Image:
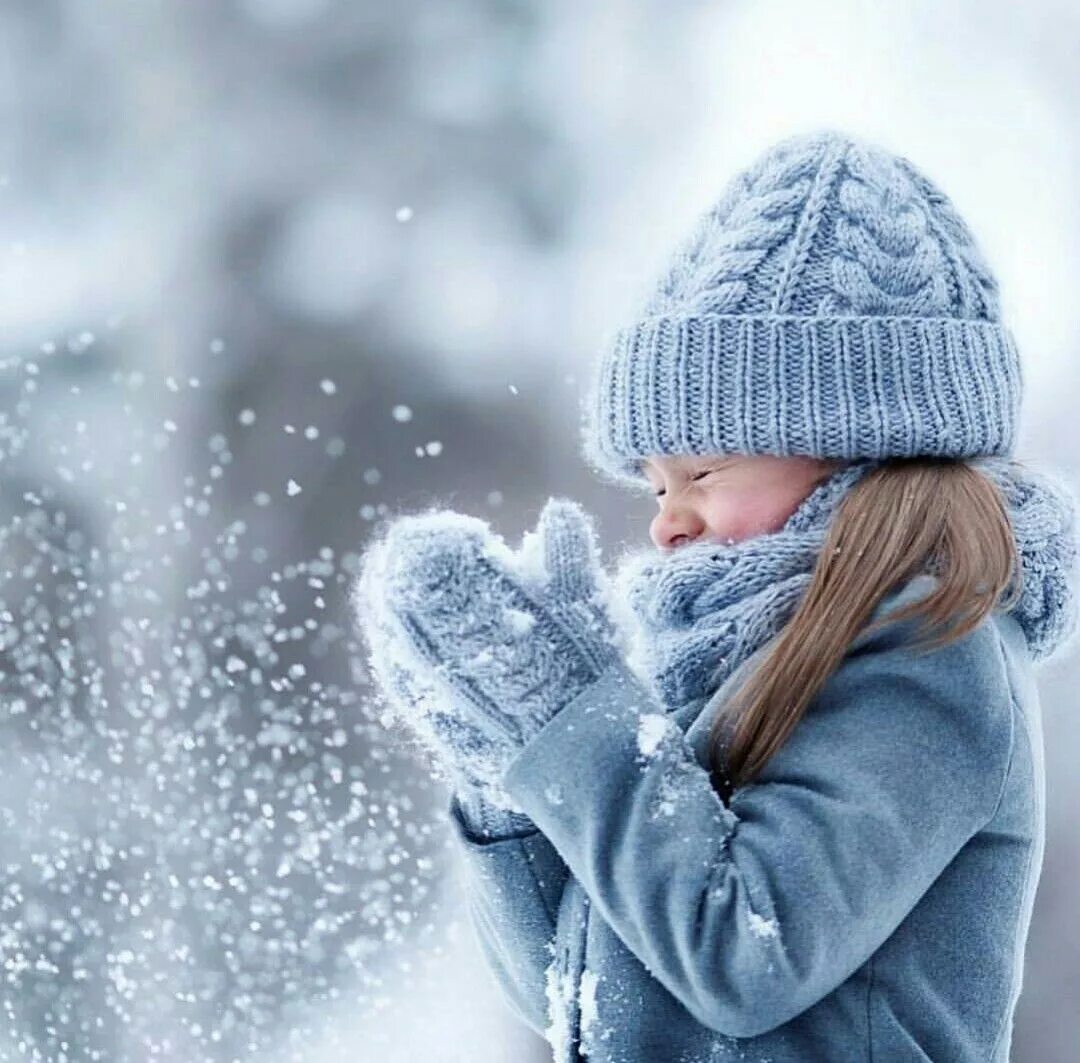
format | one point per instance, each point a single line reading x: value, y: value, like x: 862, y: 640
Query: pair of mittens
x: 477, y: 646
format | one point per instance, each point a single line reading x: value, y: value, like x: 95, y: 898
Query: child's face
x: 728, y: 497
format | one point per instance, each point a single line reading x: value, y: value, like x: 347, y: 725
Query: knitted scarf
x: 691, y: 616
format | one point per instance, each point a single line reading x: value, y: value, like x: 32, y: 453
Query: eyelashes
x: 697, y: 476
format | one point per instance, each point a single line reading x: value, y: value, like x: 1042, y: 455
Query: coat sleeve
x: 751, y: 912
x: 513, y: 886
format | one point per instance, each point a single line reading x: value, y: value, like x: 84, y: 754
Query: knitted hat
x: 832, y: 303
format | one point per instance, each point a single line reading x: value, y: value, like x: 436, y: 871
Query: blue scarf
x: 691, y: 616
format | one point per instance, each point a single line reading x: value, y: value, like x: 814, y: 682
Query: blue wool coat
x: 867, y: 898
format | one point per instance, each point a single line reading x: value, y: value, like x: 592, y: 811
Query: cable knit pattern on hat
x: 832, y: 303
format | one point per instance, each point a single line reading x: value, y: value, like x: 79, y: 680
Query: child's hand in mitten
x: 417, y: 698
x: 514, y: 637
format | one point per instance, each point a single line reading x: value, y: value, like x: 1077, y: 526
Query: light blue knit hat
x: 832, y: 303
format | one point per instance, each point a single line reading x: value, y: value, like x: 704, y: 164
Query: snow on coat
x: 868, y: 897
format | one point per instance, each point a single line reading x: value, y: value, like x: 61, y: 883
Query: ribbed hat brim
x: 831, y: 387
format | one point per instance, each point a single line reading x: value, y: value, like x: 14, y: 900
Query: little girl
x: 773, y: 791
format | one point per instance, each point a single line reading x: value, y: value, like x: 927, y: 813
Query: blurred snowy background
x: 272, y: 270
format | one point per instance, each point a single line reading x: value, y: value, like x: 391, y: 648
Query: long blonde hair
x: 903, y: 517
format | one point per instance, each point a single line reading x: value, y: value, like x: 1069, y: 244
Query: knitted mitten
x: 459, y: 755
x: 500, y: 641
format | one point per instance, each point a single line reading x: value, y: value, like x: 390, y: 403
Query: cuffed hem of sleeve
x: 575, y: 740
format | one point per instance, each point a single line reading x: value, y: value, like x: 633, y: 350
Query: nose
x: 676, y: 525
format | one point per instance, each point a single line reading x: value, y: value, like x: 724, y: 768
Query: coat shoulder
x: 980, y: 671
x: 986, y: 636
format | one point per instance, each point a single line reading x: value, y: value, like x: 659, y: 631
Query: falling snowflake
x: 208, y: 831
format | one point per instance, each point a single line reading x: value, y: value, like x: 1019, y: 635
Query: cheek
x: 740, y: 513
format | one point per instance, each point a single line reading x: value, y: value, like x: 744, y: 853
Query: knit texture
x: 475, y: 646
x: 832, y: 303
x: 694, y: 615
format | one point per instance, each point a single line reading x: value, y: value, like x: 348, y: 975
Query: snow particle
x: 401, y: 413
x: 224, y: 695
x: 652, y: 727
x: 587, y: 999
x: 519, y: 622
x: 404, y: 214
x: 434, y: 448
x: 328, y: 386
x: 557, y: 987
x: 763, y: 928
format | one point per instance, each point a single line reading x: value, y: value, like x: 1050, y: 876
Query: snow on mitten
x: 459, y: 755
x: 514, y: 637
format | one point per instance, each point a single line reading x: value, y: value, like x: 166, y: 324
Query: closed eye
x: 696, y: 476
